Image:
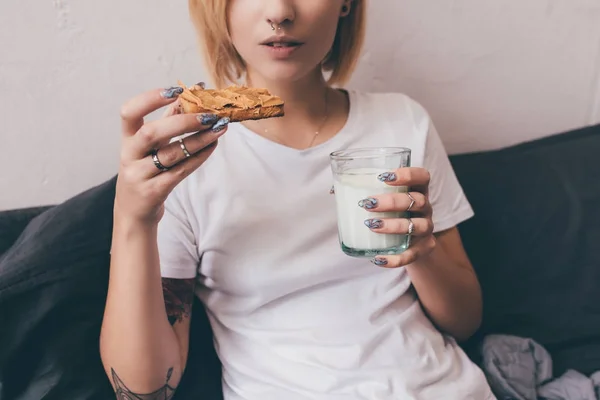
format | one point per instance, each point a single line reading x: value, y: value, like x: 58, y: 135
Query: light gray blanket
x: 521, y: 369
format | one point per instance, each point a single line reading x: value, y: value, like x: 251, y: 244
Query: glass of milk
x: 355, y: 173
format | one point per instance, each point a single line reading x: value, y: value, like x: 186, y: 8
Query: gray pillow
x: 53, y: 282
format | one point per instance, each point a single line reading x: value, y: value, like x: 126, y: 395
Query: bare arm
x: 143, y: 354
x: 179, y: 297
x: 438, y: 265
x: 145, y: 330
x: 448, y: 287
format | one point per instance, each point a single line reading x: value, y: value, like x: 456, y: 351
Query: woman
x: 250, y: 227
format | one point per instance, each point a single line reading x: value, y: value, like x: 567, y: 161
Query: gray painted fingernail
x: 171, y: 92
x: 207, y: 119
x: 387, y: 177
x: 220, y: 125
x: 379, y: 261
x: 368, y: 204
x: 374, y: 223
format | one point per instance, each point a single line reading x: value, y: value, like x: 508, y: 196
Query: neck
x: 308, y: 105
x: 303, y: 98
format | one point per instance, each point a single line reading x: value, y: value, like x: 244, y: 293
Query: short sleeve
x: 177, y: 248
x: 450, y: 205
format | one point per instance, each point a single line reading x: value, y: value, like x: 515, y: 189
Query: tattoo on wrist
x: 123, y: 393
x: 179, y: 297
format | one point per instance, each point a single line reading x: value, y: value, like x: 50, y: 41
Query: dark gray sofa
x: 534, y: 243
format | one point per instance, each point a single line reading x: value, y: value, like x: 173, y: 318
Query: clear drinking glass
x: 355, y: 173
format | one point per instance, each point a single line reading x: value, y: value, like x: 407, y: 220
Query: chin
x: 285, y: 72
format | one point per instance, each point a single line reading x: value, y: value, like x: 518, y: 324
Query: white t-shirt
x: 294, y: 318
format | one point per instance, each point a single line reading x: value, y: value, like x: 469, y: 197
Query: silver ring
x: 411, y: 229
x: 272, y: 26
x: 184, y: 149
x: 157, y: 162
x: 412, y: 201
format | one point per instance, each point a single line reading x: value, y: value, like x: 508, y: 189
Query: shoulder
x: 395, y: 118
x: 408, y: 121
x: 393, y: 104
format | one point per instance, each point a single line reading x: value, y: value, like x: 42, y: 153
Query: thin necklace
x: 319, y: 128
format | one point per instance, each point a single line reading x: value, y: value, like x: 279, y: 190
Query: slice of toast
x: 239, y: 103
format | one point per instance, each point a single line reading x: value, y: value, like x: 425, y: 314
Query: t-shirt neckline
x: 350, y: 121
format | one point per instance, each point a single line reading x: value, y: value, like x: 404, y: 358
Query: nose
x: 279, y: 12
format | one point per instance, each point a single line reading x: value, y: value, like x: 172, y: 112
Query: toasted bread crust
x: 235, y: 102
x: 235, y: 115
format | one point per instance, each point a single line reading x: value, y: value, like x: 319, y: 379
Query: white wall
x: 491, y: 72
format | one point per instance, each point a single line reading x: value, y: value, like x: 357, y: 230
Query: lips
x: 277, y: 45
x: 282, y: 44
x: 282, y: 41
x: 281, y: 47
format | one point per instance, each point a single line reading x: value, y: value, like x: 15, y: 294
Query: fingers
x: 134, y: 110
x: 172, y: 109
x: 420, y: 247
x: 420, y: 227
x: 157, y: 134
x: 403, y: 202
x: 179, y: 172
x: 144, y: 197
x: 180, y: 150
x: 416, y: 178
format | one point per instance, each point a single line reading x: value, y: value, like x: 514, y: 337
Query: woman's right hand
x: 142, y: 184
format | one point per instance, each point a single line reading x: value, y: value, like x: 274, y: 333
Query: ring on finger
x: 412, y: 201
x: 184, y: 149
x: 157, y: 162
x: 411, y: 229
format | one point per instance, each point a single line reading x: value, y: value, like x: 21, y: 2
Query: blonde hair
x: 225, y: 65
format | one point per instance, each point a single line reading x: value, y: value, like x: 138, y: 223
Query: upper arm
x: 448, y: 201
x: 178, y: 255
x: 449, y: 240
x: 179, y: 298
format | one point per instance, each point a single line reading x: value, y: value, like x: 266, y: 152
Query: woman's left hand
x: 415, y: 201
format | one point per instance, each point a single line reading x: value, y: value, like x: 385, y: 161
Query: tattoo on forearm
x: 179, y: 297
x: 123, y: 393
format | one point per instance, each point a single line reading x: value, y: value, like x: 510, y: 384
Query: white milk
x: 350, y: 188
